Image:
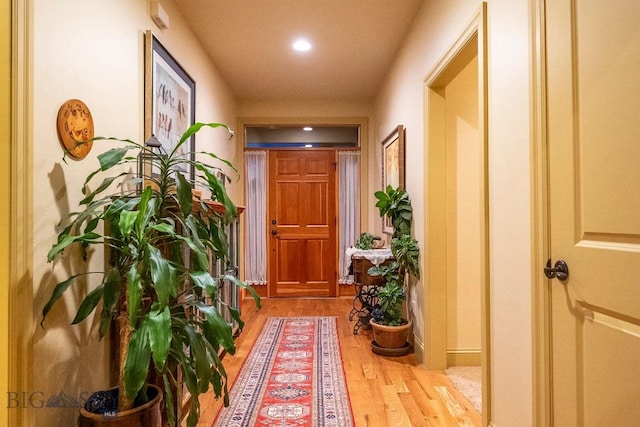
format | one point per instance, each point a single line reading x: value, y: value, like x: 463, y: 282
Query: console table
x: 366, y: 286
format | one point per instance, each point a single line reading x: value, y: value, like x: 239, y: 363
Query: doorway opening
x: 300, y: 227
x: 457, y: 294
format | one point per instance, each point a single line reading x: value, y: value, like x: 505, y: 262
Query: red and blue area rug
x: 293, y: 377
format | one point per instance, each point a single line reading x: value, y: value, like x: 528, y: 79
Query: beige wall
x: 463, y: 200
x: 436, y: 27
x: 93, y: 53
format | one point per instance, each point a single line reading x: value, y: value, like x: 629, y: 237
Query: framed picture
x: 170, y: 95
x: 392, y: 166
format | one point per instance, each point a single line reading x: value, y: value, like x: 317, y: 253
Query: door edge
x: 540, y: 251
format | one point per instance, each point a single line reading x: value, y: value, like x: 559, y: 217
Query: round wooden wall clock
x: 75, y: 125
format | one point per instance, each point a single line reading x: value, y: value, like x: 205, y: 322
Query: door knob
x: 274, y: 232
x: 559, y: 271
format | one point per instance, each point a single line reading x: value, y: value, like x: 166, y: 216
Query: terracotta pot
x: 147, y: 415
x: 390, y: 336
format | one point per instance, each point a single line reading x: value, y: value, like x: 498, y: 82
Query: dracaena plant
x: 157, y: 285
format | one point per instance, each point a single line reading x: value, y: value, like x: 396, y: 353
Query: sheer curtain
x: 349, y: 209
x: 256, y: 243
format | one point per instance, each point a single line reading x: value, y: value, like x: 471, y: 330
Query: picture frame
x: 170, y: 94
x: 393, y: 166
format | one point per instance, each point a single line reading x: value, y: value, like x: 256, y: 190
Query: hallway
x: 384, y: 392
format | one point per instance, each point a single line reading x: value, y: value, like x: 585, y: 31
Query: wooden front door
x: 302, y: 223
x: 593, y: 93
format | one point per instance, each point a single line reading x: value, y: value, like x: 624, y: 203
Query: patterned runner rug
x: 293, y: 377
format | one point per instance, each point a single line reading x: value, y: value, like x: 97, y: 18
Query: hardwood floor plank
x: 395, y: 414
x: 416, y: 416
x: 384, y: 391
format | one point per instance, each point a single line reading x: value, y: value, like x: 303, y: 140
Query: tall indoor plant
x: 389, y: 321
x: 157, y: 286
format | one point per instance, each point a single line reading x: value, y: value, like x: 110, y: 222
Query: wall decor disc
x: 75, y: 125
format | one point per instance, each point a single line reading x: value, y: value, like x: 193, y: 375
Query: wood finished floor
x: 384, y: 391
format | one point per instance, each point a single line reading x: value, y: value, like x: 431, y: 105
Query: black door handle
x: 559, y: 271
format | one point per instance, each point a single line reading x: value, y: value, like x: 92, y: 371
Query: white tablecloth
x: 376, y: 256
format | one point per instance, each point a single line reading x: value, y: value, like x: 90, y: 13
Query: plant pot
x: 391, y: 352
x: 147, y: 415
x: 390, y: 336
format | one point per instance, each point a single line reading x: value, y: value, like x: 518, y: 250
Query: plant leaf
x: 163, y: 276
x: 134, y: 293
x: 146, y: 209
x: 136, y: 364
x: 104, y: 185
x: 216, y: 328
x: 164, y: 228
x: 126, y: 222
x: 203, y: 279
x: 159, y: 335
x: 168, y: 395
x: 67, y: 240
x: 200, y: 359
x: 194, y: 128
x: 88, y: 304
x: 109, y: 299
x: 56, y: 294
x: 185, y: 195
x: 112, y: 157
x: 243, y: 285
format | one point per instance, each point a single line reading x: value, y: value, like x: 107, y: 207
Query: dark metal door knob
x: 559, y: 271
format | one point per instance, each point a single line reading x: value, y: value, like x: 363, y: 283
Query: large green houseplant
x: 157, y: 288
x: 389, y: 322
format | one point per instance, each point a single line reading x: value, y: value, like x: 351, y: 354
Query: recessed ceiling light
x: 302, y: 45
x: 307, y: 128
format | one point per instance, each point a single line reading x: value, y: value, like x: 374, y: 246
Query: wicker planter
x: 390, y: 336
x: 147, y: 415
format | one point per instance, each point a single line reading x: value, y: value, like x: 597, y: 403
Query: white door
x: 593, y: 72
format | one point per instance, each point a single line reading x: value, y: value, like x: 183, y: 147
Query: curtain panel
x: 349, y: 209
x: 256, y: 214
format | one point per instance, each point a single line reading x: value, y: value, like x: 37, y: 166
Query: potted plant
x: 395, y: 204
x: 369, y: 241
x: 389, y: 322
x: 156, y: 289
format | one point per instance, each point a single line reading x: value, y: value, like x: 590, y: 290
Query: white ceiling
x: 354, y: 43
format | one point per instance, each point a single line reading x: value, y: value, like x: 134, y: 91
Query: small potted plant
x: 157, y: 289
x: 365, y: 241
x: 389, y: 323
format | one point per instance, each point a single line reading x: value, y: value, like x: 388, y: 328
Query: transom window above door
x: 312, y: 136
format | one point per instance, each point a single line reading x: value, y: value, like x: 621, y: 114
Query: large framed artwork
x: 392, y: 166
x: 170, y: 95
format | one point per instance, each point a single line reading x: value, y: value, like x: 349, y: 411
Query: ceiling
x: 249, y: 41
